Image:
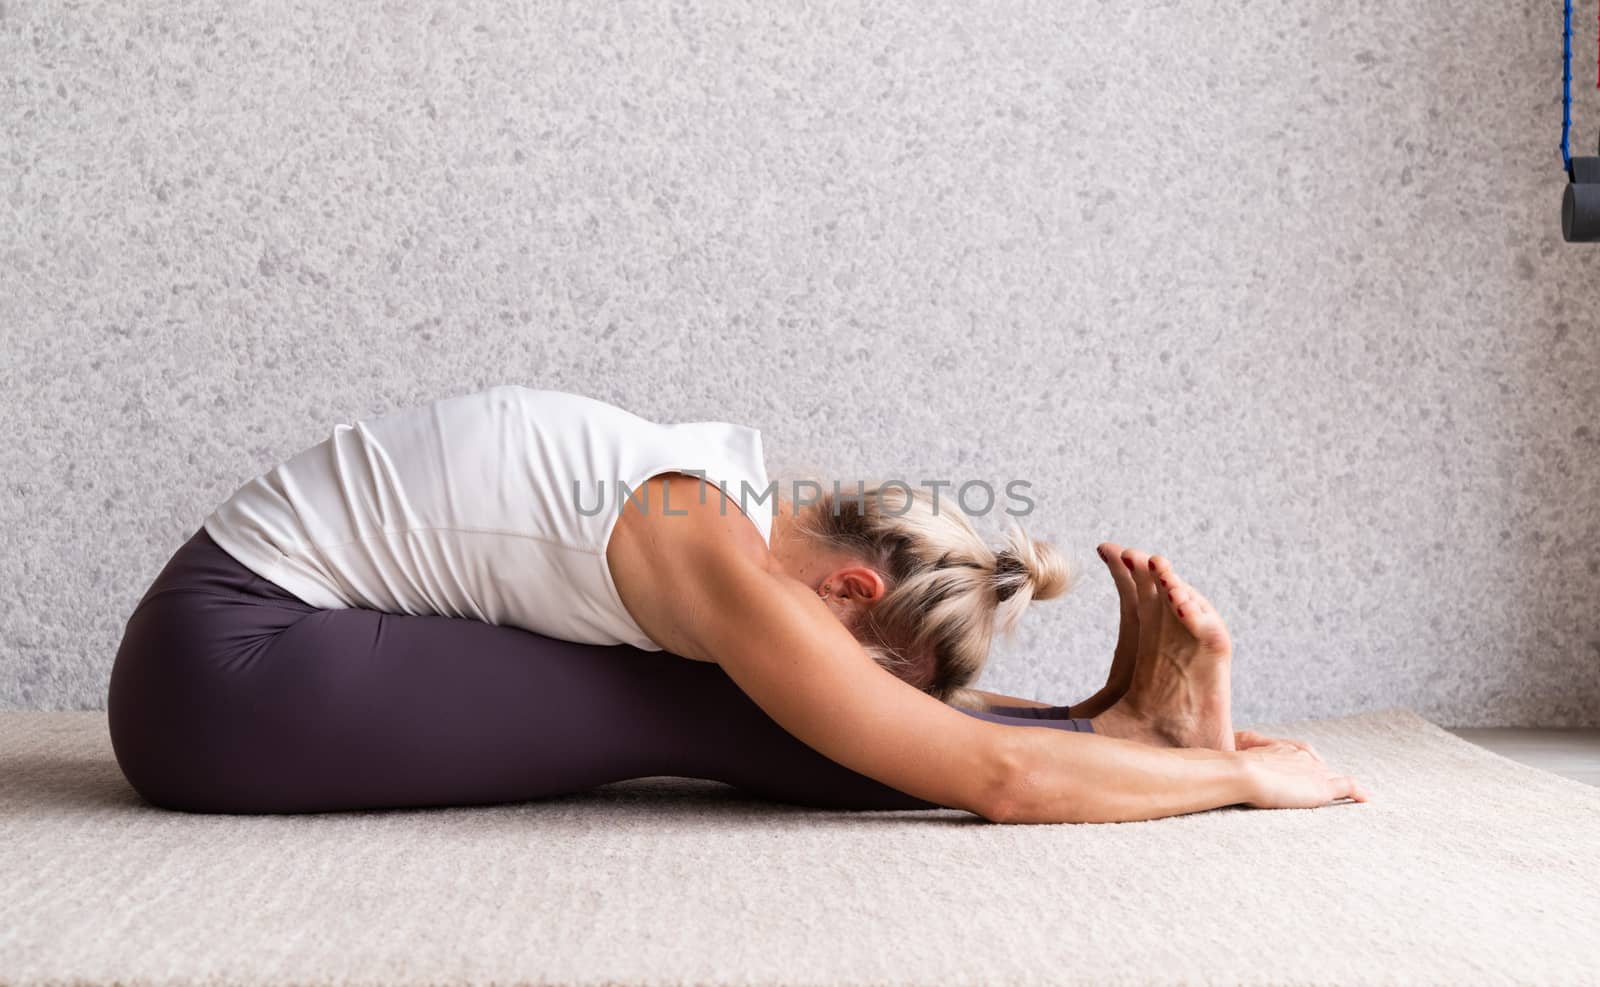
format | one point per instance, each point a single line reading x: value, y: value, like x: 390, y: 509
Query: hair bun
x: 1030, y: 569
x: 1010, y: 574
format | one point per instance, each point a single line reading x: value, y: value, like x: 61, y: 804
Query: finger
x: 1246, y: 739
x: 1345, y: 787
x: 1249, y: 739
x: 1260, y: 740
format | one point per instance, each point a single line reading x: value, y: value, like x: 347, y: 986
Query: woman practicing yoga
x: 469, y: 602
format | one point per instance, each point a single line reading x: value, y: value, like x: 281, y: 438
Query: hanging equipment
x: 1580, y: 204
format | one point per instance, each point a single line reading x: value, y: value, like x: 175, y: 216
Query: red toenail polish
x: 1128, y: 563
x: 1163, y: 580
x: 1180, y: 611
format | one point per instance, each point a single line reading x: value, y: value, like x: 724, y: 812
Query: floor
x: 1572, y: 754
x: 1464, y: 868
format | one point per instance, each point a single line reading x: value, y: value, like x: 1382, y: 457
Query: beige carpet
x: 1467, y: 868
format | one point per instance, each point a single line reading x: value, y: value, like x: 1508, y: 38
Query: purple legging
x: 229, y: 694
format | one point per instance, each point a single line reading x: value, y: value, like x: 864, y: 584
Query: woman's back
x: 495, y: 506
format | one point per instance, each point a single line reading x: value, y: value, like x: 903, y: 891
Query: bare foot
x: 1126, y: 655
x: 1180, y: 694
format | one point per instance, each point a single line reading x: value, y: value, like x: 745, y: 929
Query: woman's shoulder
x: 680, y: 539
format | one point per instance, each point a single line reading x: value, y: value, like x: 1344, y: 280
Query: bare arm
x: 703, y: 585
x: 790, y: 655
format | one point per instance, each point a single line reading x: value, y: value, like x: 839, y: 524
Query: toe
x: 1198, y: 618
x: 1138, y: 564
x: 1127, y: 590
x: 1161, y: 570
x: 1179, y: 595
x: 1188, y: 605
x: 1199, y: 600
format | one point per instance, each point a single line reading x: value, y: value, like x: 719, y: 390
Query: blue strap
x: 1566, y: 91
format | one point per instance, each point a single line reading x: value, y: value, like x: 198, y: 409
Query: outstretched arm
x: 702, y: 584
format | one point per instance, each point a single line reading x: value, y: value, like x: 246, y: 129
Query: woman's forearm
x: 1079, y: 777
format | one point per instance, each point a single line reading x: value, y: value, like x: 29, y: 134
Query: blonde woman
x: 518, y: 593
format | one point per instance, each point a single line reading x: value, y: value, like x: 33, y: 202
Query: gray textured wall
x: 1276, y: 288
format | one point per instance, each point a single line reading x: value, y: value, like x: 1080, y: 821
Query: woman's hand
x: 1286, y: 776
x: 1244, y: 740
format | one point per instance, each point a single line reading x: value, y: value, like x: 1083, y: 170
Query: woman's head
x: 917, y: 585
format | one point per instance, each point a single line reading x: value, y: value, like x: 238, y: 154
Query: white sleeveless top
x: 494, y: 506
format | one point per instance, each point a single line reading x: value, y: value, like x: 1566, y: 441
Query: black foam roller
x: 1586, y: 171
x: 1580, y: 213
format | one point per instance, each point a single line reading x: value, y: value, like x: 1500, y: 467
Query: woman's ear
x: 858, y: 584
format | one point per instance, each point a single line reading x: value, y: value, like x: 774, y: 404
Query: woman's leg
x: 230, y: 695
x: 1043, y: 713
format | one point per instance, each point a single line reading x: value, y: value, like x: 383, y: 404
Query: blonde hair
x: 947, y: 592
